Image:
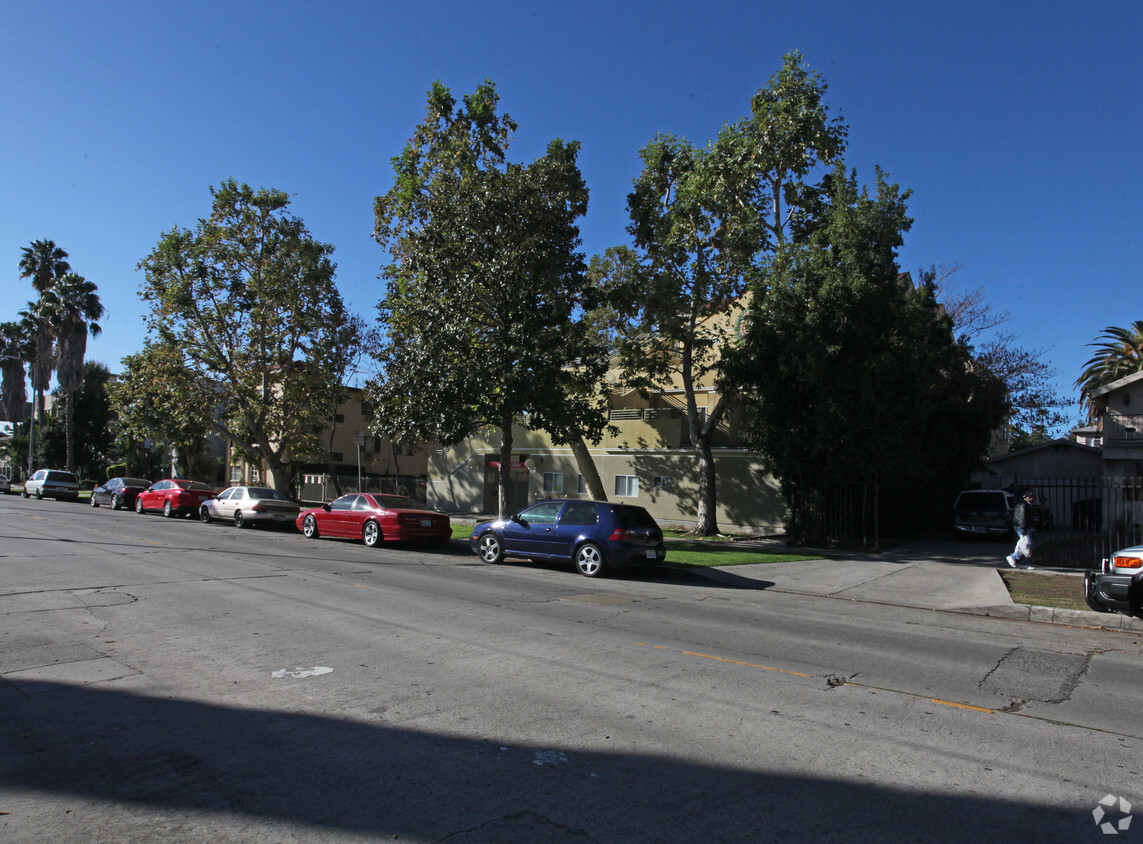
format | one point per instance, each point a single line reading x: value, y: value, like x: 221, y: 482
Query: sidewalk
x: 947, y: 576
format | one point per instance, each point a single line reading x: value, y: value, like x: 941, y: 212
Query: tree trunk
x: 69, y: 439
x: 707, y: 521
x: 504, y: 506
x: 587, y: 469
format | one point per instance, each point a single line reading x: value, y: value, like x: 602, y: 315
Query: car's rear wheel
x: 371, y: 534
x: 94, y: 503
x: 204, y: 514
x: 138, y: 505
x: 23, y: 493
x: 39, y: 495
x: 239, y: 521
x: 168, y: 511
x: 117, y: 502
x: 309, y: 527
x: 490, y: 549
x: 589, y: 559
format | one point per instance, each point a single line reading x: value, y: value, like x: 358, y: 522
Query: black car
x: 594, y: 535
x: 119, y: 492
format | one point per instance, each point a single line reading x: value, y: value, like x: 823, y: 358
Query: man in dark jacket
x: 1023, y: 521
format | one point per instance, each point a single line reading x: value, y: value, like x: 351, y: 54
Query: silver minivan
x: 52, y: 483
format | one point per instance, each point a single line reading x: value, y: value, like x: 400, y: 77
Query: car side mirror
x: 326, y: 507
x: 516, y: 518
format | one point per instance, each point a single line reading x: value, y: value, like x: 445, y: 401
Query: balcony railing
x: 1122, y: 428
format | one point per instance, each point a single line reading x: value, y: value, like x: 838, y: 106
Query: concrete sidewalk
x: 937, y: 575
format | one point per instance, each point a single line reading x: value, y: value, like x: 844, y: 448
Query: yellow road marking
x: 964, y: 706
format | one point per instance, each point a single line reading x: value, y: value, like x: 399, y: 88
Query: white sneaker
x: 1028, y: 568
x: 1011, y: 561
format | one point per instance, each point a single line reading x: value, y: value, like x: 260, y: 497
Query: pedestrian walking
x: 1023, y: 523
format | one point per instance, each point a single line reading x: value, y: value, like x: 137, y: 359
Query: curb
x: 1056, y: 615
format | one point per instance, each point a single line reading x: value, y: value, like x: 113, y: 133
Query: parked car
x: 1118, y: 585
x: 52, y: 483
x: 250, y: 505
x: 5, y: 485
x: 594, y: 535
x: 119, y: 493
x: 984, y: 512
x: 376, y: 517
x: 174, y: 497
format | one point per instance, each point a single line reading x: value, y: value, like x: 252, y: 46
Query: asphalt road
x: 163, y: 680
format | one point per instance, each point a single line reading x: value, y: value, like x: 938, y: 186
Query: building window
x: 627, y: 486
x: 580, y: 485
x: 236, y: 474
x: 661, y: 482
x: 554, y: 482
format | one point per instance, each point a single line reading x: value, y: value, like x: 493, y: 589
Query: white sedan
x: 249, y: 505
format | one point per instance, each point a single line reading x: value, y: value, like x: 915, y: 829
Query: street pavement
x: 942, y: 575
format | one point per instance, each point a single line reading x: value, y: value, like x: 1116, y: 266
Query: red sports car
x: 174, y: 497
x: 375, y: 517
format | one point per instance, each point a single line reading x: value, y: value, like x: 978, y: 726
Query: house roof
x: 1085, y: 449
x: 1125, y: 381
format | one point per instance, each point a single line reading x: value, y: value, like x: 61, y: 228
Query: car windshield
x: 399, y: 502
x: 981, y: 501
x: 265, y: 492
x: 194, y: 485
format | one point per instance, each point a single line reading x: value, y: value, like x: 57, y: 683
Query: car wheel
x: 589, y: 559
x: 39, y: 495
x: 204, y: 514
x: 23, y: 493
x: 138, y: 505
x: 371, y: 534
x: 167, y: 509
x: 94, y: 503
x: 117, y: 502
x: 239, y: 521
x: 309, y: 527
x: 490, y: 549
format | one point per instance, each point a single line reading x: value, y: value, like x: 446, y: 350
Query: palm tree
x: 75, y: 310
x: 45, y: 263
x: 15, y: 350
x: 1120, y: 353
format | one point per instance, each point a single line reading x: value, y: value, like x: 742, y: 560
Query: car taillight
x: 259, y: 507
x: 1128, y: 562
x: 620, y: 535
x: 408, y: 519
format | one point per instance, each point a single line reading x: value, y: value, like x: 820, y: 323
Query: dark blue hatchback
x: 595, y: 535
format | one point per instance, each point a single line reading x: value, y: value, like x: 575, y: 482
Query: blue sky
x: 1016, y: 125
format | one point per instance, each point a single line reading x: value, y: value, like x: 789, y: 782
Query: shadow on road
x: 222, y: 767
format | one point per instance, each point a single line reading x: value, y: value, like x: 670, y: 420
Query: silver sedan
x: 250, y: 505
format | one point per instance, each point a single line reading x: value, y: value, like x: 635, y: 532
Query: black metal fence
x: 1083, y: 520
x: 1080, y: 520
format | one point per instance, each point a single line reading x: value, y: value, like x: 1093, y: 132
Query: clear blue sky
x: 1017, y: 126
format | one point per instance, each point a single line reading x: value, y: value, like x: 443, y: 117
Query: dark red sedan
x: 375, y: 517
x: 174, y: 497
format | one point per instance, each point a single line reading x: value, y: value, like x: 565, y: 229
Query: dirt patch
x: 1042, y: 589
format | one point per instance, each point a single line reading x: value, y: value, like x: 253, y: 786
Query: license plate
x: 652, y: 555
x: 426, y: 522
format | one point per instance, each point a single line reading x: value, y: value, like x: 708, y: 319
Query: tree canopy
x: 248, y: 299
x: 1119, y: 353
x: 483, y: 285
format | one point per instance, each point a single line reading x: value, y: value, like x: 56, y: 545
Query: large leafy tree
x: 75, y: 310
x: 852, y: 373
x: 483, y: 286
x: 1119, y: 353
x: 248, y: 299
x: 160, y: 398
x: 702, y: 222
x: 1036, y: 406
x: 91, y: 441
